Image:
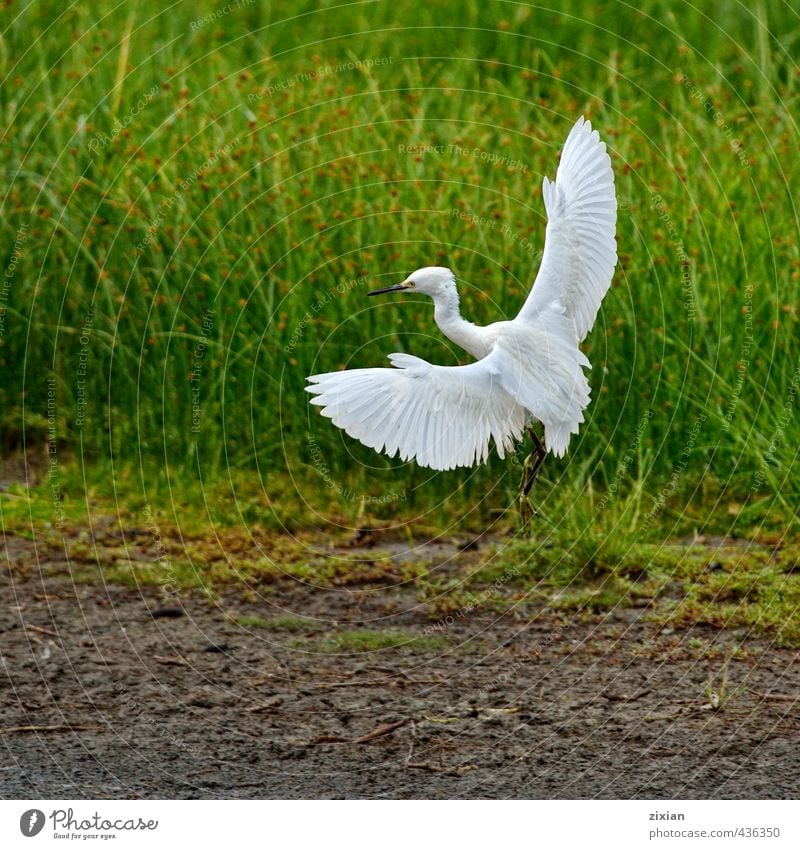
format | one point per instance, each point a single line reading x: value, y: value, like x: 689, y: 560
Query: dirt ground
x: 107, y: 693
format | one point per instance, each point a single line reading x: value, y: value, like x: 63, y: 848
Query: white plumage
x: 528, y: 368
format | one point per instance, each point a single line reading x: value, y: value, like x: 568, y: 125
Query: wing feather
x: 580, y: 251
x: 442, y: 416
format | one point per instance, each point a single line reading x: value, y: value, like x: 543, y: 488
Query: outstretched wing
x: 442, y: 416
x: 580, y: 251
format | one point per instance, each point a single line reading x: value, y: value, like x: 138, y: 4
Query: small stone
x: 168, y: 613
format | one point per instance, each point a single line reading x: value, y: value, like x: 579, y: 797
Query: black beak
x: 400, y: 288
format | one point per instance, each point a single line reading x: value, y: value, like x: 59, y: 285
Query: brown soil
x: 99, y: 698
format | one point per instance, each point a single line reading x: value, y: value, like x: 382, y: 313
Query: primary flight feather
x: 527, y: 369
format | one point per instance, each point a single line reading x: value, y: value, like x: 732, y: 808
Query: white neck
x: 465, y: 334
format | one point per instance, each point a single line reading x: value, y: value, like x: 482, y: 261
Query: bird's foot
x: 527, y: 512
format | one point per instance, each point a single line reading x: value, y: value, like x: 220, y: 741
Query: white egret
x: 528, y: 369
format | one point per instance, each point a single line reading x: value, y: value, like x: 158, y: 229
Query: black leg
x: 533, y: 463
x: 537, y: 461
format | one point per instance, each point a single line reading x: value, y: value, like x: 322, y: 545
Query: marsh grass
x: 223, y: 240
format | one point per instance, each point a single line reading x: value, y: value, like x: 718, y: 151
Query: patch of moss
x: 291, y: 624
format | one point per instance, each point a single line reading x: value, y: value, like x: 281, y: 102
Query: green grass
x: 753, y: 588
x: 286, y: 623
x: 224, y: 239
x: 337, y: 640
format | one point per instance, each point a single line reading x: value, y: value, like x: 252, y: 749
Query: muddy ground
x: 101, y: 698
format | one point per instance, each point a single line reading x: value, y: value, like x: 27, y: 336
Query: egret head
x: 432, y: 280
